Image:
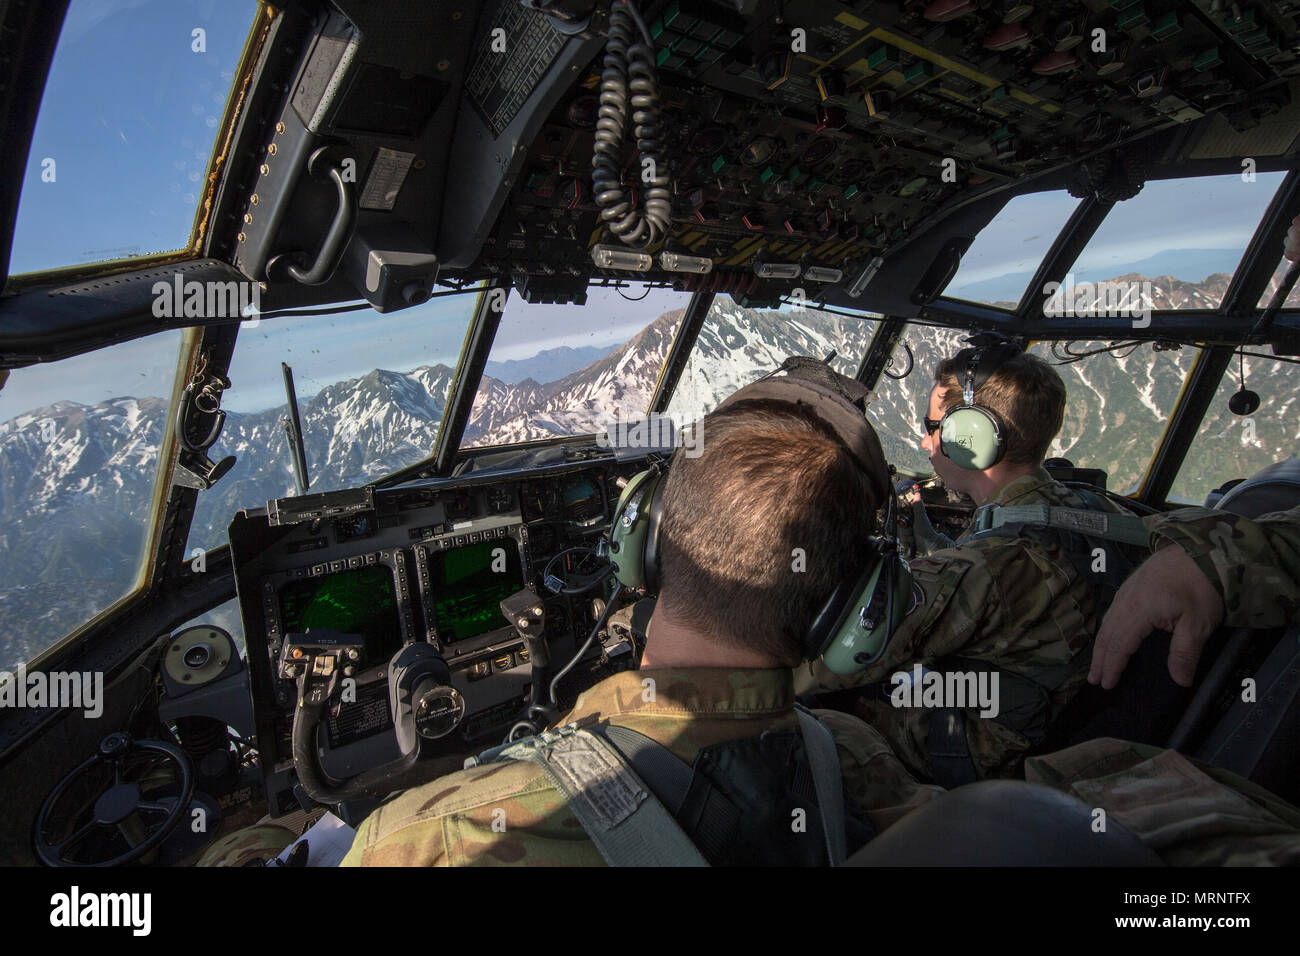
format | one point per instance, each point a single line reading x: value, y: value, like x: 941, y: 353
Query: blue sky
x: 1190, y: 228
x: 129, y: 117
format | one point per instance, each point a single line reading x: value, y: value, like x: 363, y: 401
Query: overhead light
x: 628, y: 260
x: 676, y: 262
x: 777, y: 270
x: 869, y: 273
x: 822, y: 274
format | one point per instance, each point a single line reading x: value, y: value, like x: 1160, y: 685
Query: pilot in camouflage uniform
x: 716, y: 683
x: 1017, y: 604
x: 507, y: 813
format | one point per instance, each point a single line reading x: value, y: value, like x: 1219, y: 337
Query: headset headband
x: 968, y: 380
x: 836, y: 400
x: 980, y: 363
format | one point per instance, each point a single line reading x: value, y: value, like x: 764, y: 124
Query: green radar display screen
x: 360, y: 601
x: 468, y: 585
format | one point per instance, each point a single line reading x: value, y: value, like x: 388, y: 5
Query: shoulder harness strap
x: 824, y: 761
x: 621, y: 815
x: 634, y: 825
x: 1126, y: 529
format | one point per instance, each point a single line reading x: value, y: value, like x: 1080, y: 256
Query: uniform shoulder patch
x: 918, y: 597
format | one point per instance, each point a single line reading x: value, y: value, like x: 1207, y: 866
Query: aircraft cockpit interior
x: 338, y: 340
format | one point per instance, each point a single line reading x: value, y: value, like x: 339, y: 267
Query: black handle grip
x: 321, y: 163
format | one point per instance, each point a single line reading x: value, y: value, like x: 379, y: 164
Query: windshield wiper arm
x: 293, y: 427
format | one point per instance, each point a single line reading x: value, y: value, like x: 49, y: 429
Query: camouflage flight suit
x: 1253, y: 563
x: 508, y: 813
x: 1018, y: 604
x: 249, y: 846
x: 1189, y: 813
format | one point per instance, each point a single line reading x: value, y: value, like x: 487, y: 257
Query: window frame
x: 148, y: 569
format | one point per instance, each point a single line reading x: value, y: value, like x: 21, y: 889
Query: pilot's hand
x: 1168, y: 592
x: 928, y: 538
x: 1291, y: 247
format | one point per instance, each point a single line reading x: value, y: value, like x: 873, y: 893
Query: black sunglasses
x: 930, y: 425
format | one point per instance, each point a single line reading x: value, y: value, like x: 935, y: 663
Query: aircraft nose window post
x: 648, y: 433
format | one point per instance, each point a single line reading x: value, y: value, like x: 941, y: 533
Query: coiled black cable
x: 629, y: 65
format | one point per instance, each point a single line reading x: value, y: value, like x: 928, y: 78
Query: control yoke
x: 425, y: 705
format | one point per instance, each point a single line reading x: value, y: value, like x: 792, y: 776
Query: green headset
x: 855, y: 622
x: 970, y: 435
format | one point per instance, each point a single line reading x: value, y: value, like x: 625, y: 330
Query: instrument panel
x: 423, y: 563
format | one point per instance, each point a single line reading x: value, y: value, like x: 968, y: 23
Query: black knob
x: 114, y: 745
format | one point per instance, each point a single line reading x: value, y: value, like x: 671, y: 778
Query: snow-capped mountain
x: 76, y: 480
x: 547, y: 365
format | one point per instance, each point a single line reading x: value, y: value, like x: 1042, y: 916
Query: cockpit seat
x: 1257, y: 736
x: 1148, y: 707
x: 1145, y: 706
x: 1275, y: 488
x: 1062, y: 469
x: 1004, y: 823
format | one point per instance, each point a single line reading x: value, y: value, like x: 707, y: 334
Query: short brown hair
x: 1025, y: 392
x: 771, y: 478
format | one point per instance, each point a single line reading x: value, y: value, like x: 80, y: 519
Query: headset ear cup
x: 862, y: 629
x: 634, y: 532
x: 830, y: 618
x: 971, y: 437
x: 626, y: 537
x: 654, y: 514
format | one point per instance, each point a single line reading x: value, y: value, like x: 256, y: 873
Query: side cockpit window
x: 132, y: 108
x: 79, y: 460
x: 1228, y: 445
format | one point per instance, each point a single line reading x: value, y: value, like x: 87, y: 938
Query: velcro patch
x: 609, y: 793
